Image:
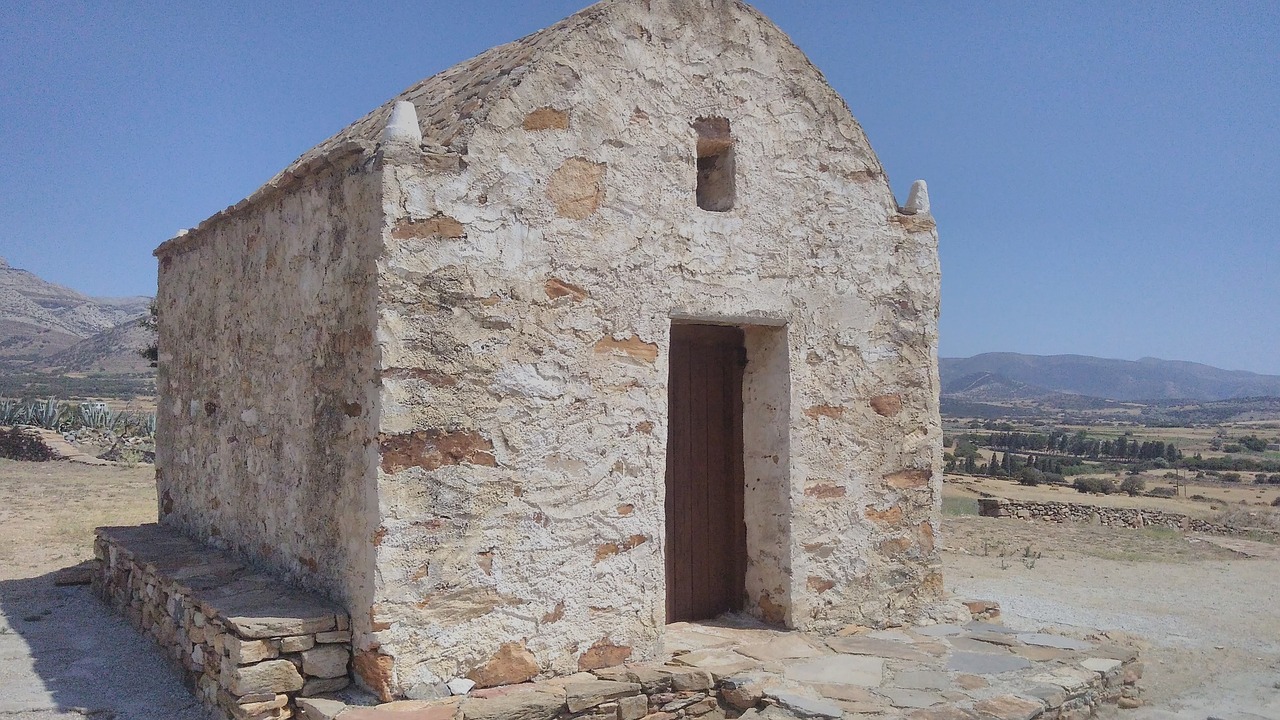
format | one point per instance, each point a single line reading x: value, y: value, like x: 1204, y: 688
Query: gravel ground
x: 1209, y: 626
x: 64, y: 655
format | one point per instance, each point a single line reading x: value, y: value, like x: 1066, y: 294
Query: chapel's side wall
x: 525, y: 304
x: 265, y: 432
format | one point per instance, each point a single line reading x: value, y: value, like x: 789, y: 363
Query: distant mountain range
x: 46, y: 327
x: 49, y: 329
x: 1011, y: 377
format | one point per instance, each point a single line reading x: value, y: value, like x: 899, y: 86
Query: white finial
x: 917, y: 200
x: 402, y: 127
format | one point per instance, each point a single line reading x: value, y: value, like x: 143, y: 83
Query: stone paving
x: 736, y: 668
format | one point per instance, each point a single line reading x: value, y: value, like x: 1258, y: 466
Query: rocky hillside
x: 113, y: 351
x: 996, y: 377
x: 41, y: 321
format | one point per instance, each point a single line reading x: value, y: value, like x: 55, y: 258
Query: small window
x: 715, y: 164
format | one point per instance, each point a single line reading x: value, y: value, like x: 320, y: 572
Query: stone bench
x: 249, y: 644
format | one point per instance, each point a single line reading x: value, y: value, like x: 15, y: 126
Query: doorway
x: 706, y: 545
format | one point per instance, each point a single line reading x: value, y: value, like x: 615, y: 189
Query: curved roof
x: 449, y: 104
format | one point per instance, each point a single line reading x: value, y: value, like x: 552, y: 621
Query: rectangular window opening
x: 716, y: 172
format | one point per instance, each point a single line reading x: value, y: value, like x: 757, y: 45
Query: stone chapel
x: 616, y: 325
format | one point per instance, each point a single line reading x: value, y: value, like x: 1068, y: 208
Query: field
x: 63, y: 654
x: 1202, y: 614
x: 1202, y: 607
x: 50, y: 510
x: 1217, y: 496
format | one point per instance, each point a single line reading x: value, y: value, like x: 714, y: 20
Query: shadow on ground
x: 65, y: 654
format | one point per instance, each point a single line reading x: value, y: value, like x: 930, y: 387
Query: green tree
x: 1133, y: 485
x: 1030, y: 476
x: 151, y: 323
x: 1254, y: 443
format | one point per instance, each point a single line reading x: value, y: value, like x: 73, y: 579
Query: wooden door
x: 706, y: 534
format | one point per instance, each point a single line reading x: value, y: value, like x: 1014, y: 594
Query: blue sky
x: 1106, y: 175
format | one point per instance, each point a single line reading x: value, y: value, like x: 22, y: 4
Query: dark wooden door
x: 706, y: 534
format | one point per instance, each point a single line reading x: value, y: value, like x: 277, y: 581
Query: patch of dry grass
x: 1214, y: 496
x: 1245, y: 516
x: 51, y: 509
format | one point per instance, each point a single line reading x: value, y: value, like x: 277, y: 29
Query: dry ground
x: 1208, y: 617
x: 63, y: 654
x: 49, y: 511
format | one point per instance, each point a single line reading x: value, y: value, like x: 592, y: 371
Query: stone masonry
x: 1104, y: 515
x: 423, y: 372
x: 248, y: 646
x: 975, y: 671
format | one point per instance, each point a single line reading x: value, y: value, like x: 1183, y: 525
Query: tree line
x: 1079, y: 444
x: 1042, y: 468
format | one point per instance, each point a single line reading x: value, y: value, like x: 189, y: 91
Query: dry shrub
x: 1245, y: 516
x: 20, y: 444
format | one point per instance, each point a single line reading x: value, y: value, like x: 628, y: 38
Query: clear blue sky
x: 1106, y: 175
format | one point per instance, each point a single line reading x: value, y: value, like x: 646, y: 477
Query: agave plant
x: 12, y: 412
x: 93, y: 416
x: 49, y: 414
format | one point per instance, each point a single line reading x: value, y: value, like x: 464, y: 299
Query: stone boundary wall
x: 1109, y: 516
x: 248, y: 645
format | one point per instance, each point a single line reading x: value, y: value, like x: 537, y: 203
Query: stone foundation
x: 943, y: 672
x: 249, y: 646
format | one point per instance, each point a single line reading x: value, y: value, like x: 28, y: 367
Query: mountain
x: 39, y: 319
x: 1001, y: 377
x: 113, y: 351
x: 990, y: 386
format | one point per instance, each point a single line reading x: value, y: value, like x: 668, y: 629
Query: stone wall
x: 1102, y: 515
x: 525, y: 303
x: 264, y: 438
x: 651, y: 691
x: 248, y: 645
